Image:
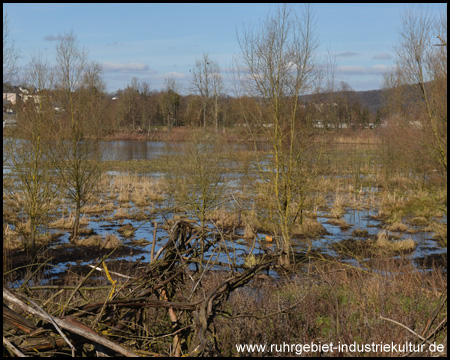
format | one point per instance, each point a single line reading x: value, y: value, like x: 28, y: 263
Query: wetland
x: 363, y: 228
x: 349, y: 206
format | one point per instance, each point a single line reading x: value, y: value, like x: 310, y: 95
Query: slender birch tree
x: 275, y: 67
x: 34, y: 186
x: 207, y: 84
x: 75, y: 155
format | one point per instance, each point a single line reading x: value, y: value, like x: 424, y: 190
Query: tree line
x: 140, y: 109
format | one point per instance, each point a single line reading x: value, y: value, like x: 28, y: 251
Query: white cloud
x: 118, y: 67
x: 347, y: 54
x: 380, y: 69
x: 361, y: 70
x: 56, y: 38
x: 382, y: 56
x: 351, y: 70
x: 172, y: 75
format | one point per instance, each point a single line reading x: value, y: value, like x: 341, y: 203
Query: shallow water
x: 238, y: 249
x: 132, y: 150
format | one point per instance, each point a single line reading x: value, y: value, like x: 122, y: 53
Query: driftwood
x: 168, y: 290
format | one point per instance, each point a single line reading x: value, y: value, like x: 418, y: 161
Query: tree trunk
x: 204, y: 116
x: 216, y: 115
x: 32, y: 236
x: 76, y: 223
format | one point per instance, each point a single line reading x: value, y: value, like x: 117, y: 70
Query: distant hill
x: 371, y: 99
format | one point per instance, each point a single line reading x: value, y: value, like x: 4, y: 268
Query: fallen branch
x: 12, y: 348
x: 91, y: 336
x: 52, y: 320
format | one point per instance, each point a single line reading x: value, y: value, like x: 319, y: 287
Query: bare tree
x: 34, y: 185
x: 217, y: 88
x: 10, y: 53
x: 207, y: 83
x: 170, y: 102
x: 92, y: 94
x: 420, y: 78
x: 195, y: 180
x: 75, y: 156
x: 276, y: 66
x: 144, y: 91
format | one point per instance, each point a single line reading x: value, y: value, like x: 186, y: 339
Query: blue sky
x: 156, y: 41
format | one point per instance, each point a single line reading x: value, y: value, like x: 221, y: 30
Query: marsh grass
x: 101, y: 207
x: 249, y: 231
x: 67, y: 222
x: 338, y: 209
x: 360, y: 233
x: 398, y: 227
x: 120, y: 213
x: 418, y: 205
x: 124, y: 196
x: 108, y: 242
x: 439, y: 231
x: 419, y: 221
x: 333, y: 302
x: 328, y: 302
x: 405, y: 245
x: 225, y: 218
x: 250, y: 261
x: 141, y: 190
x: 127, y: 230
x: 343, y: 225
x: 92, y: 209
x: 310, y: 228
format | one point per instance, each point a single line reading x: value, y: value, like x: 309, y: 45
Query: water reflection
x: 147, y: 150
x: 138, y: 150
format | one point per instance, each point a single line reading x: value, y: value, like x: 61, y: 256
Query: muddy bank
x: 50, y: 258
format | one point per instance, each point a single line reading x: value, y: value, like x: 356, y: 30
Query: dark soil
x: 53, y: 256
x: 431, y: 261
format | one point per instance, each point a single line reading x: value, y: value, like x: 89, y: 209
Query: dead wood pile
x: 166, y: 310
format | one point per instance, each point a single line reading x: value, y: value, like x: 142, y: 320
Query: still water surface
x: 148, y: 150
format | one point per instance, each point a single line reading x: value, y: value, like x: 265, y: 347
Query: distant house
x: 23, y: 90
x: 9, y: 120
x: 12, y: 97
x: 416, y: 124
x: 35, y: 98
x: 318, y: 124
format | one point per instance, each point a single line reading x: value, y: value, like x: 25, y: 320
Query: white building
x: 12, y: 97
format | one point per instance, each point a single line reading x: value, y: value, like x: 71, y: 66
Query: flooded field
x: 175, y: 230
x: 348, y: 207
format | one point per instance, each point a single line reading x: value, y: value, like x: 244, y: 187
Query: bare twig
x: 52, y: 320
x: 152, y: 253
x: 12, y: 348
x: 84, y: 280
x: 112, y: 272
x: 407, y: 328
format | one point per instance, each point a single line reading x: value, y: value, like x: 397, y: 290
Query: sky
x: 157, y: 41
